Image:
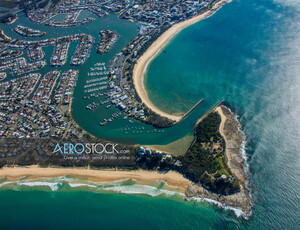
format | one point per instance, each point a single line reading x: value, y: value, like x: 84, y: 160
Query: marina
x: 92, y: 72
x: 95, y: 84
x: 96, y: 80
x: 98, y: 73
x: 250, y: 70
x: 110, y: 119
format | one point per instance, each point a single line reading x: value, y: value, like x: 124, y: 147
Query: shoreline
x: 2, y: 34
x: 12, y: 21
x: 171, y: 178
x: 143, y: 62
x: 230, y: 130
x: 234, y: 144
x: 175, y: 148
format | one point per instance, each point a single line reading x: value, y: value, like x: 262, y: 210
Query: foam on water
x: 244, y: 155
x: 114, y: 186
x: 72, y: 185
x: 5, y: 183
x: 144, y: 189
x: 243, y: 146
x: 237, y: 211
x: 53, y: 186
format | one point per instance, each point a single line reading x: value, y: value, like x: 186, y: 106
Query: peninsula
x: 231, y: 167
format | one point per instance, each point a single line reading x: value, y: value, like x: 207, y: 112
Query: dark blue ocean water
x: 248, y: 53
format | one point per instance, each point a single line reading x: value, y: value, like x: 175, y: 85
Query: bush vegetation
x: 205, y: 161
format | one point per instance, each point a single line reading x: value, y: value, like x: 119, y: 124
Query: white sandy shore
x: 233, y: 139
x: 153, y: 51
x: 223, y: 120
x: 171, y: 178
x: 228, y: 129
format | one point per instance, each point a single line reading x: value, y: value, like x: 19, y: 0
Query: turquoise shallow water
x: 85, y: 210
x: 248, y: 54
x: 87, y: 119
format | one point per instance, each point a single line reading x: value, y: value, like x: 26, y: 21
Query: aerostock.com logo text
x: 88, y: 148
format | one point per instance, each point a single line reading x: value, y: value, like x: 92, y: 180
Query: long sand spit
x: 143, y: 62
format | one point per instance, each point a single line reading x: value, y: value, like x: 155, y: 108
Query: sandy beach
x: 229, y: 129
x: 171, y: 178
x: 223, y: 119
x: 143, y: 62
x: 15, y: 19
x: 4, y: 35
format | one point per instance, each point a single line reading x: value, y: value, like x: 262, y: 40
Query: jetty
x: 207, y: 113
x: 189, y: 111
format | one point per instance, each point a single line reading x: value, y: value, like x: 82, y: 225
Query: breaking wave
x: 126, y: 186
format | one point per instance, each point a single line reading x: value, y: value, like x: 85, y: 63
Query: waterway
x: 248, y: 54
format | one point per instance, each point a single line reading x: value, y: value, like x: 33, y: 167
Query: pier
x: 207, y: 113
x: 190, y: 110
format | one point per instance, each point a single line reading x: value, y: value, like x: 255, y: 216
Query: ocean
x: 248, y: 54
